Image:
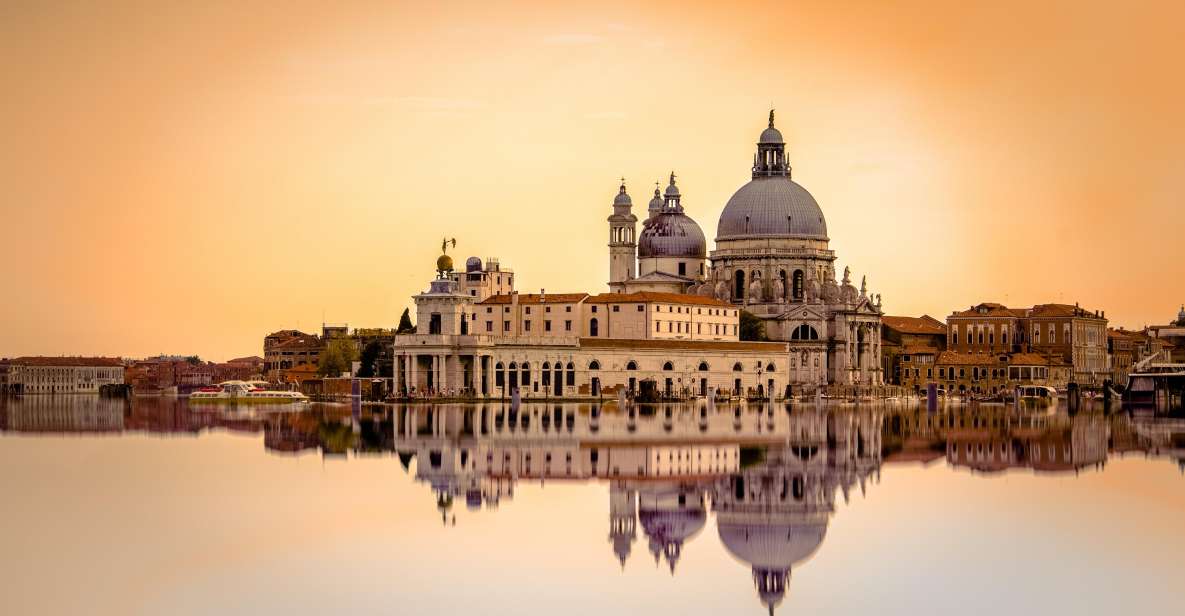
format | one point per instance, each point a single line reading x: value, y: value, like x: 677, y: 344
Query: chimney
x: 542, y: 295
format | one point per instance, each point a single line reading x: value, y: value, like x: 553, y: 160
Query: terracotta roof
x: 535, y: 298
x: 302, y: 341
x: 287, y: 333
x: 246, y: 360
x: 691, y: 345
x: 991, y: 309
x: 654, y: 296
x: 1027, y: 359
x: 1060, y: 310
x: 967, y: 359
x: 68, y: 362
x: 924, y: 324
x: 919, y: 349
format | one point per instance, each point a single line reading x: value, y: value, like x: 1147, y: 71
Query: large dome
x: 774, y: 206
x: 672, y: 234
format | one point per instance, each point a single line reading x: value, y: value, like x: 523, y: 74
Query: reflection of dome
x: 773, y: 550
x: 444, y: 263
x: 771, y: 206
x: 672, y: 234
x: 669, y: 530
x: 473, y: 264
x: 773, y: 546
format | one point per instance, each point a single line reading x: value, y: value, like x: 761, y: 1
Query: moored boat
x: 245, y: 392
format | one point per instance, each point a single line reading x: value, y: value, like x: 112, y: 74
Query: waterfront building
x: 1060, y: 333
x: 1172, y: 336
x: 669, y: 316
x: 290, y: 349
x: 909, y: 346
x: 63, y: 375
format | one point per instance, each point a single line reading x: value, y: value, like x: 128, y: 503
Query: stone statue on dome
x: 779, y: 290
x: 864, y: 286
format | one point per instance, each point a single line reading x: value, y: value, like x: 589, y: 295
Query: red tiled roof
x: 992, y: 309
x: 919, y: 349
x: 640, y: 297
x: 68, y: 362
x: 924, y: 324
x: 1027, y: 359
x: 1060, y: 310
x: 302, y: 341
x: 535, y: 298
x: 967, y: 359
x: 245, y: 360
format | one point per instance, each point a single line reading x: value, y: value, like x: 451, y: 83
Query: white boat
x: 1037, y: 392
x: 246, y: 392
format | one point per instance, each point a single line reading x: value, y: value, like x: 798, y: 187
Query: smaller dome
x: 622, y: 197
x: 656, y: 203
x: 444, y: 263
x: 672, y: 190
x: 473, y: 264
x: 771, y: 135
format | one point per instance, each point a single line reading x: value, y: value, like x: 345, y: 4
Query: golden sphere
x: 444, y: 263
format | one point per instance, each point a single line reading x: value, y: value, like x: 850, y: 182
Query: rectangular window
x: 526, y: 326
x: 658, y: 326
x: 594, y: 308
x: 547, y: 309
x: 567, y: 326
x: 567, y: 309
x: 547, y: 326
x: 489, y: 326
x: 505, y: 326
x: 616, y: 308
x: 682, y: 268
x: 641, y: 308
x: 528, y: 310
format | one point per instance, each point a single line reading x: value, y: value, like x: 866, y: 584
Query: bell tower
x: 623, y: 251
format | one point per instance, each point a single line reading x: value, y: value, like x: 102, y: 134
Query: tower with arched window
x: 622, y: 243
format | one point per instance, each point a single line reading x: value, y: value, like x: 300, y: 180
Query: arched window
x: 525, y: 379
x: 592, y: 327
x: 736, y: 367
x: 668, y: 366
x: 739, y: 280
x: 571, y: 375
x: 594, y: 365
x: 499, y: 375
x: 546, y: 366
x: 632, y: 365
x: 798, y: 285
x: 703, y: 366
x: 804, y: 332
x: 770, y: 366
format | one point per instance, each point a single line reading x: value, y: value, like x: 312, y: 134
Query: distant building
x: 63, y: 375
x: 289, y: 349
x: 909, y: 346
x: 1173, y: 335
x: 1061, y: 333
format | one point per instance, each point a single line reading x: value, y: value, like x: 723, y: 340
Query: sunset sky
x: 187, y: 177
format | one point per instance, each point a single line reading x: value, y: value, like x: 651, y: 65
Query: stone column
x: 411, y: 372
x: 396, y: 374
x: 444, y: 373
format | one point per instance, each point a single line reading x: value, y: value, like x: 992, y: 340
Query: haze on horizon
x: 188, y: 178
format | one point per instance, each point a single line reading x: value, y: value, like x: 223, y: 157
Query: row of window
x: 681, y: 327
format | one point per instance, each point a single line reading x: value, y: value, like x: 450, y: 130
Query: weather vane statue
x: 445, y: 243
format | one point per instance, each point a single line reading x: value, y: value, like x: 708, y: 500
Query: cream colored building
x: 772, y: 259
x: 63, y: 375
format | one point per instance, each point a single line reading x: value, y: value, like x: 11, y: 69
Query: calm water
x: 152, y: 507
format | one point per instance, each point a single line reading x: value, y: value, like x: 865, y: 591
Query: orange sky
x: 185, y: 179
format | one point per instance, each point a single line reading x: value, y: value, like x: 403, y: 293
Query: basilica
x: 672, y: 314
x: 771, y: 258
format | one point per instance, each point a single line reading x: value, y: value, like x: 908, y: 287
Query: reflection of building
x: 772, y: 512
x: 63, y: 375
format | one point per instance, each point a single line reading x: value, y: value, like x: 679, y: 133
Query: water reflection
x: 770, y: 475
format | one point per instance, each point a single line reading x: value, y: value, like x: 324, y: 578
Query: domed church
x: 772, y: 258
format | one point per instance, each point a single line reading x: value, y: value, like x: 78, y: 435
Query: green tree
x: 369, y: 359
x: 752, y: 328
x: 336, y: 358
x: 405, y: 326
